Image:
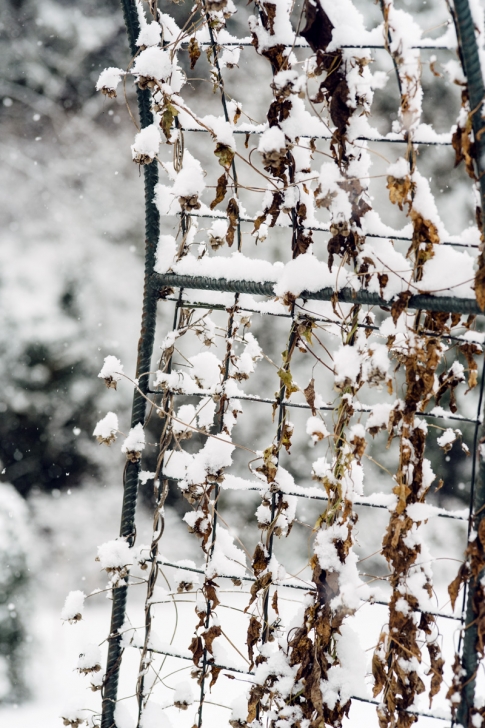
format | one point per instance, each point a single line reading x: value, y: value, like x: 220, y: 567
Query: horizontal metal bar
x: 329, y: 136
x: 357, y: 502
x: 303, y: 312
x: 364, y: 409
x: 360, y: 409
x: 423, y: 301
x: 287, y: 585
x: 425, y: 45
x: 324, y: 228
x: 172, y: 653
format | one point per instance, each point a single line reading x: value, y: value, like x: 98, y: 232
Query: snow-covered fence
x: 392, y: 311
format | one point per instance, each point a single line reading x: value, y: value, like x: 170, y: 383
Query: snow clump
x: 108, y: 81
x: 111, y: 371
x: 105, y: 430
x: 134, y: 443
x: 73, y: 607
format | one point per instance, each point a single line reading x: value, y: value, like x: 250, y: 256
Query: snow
x: 145, y: 476
x: 185, y: 416
x: 153, y: 716
x: 283, y: 32
x: 306, y: 273
x: 106, y: 428
x: 346, y: 679
x: 236, y: 267
x: 449, y: 272
x: 206, y: 412
x: 221, y: 128
x: 112, y: 369
x: 347, y: 366
x: 146, y: 144
x: 135, y: 442
x: 73, y: 608
x: 190, y: 180
x: 272, y: 140
x: 115, y: 554
x: 379, y: 416
x: 422, y: 511
x: 166, y: 251
x: 153, y: 63
x: 226, y: 558
x: 149, y: 35
x: 399, y: 169
x: 206, y: 369
x: 216, y: 453
x: 315, y: 427
x: 123, y: 717
x: 109, y: 79
x: 90, y: 658
x: 183, y: 694
x: 447, y: 438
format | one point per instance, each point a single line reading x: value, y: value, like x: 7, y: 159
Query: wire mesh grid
x: 217, y: 304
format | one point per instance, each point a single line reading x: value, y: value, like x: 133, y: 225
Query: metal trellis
x: 156, y: 286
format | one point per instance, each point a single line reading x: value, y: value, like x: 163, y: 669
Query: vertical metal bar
x: 145, y: 350
x: 468, y: 49
x: 469, y: 634
x: 470, y: 59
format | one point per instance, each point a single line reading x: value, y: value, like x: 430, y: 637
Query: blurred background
x: 71, y: 260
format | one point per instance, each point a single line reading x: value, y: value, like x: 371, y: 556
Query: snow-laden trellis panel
x: 269, y: 176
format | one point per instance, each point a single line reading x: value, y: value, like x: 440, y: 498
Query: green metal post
x: 469, y: 55
x: 145, y: 350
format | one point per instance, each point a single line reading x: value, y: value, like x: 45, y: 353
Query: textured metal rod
x: 469, y: 55
x: 287, y: 585
x: 145, y: 349
x: 325, y: 228
x: 424, y: 301
x: 328, y: 135
x: 302, y: 43
x: 411, y: 711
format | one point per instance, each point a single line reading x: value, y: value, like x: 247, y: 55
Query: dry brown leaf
x: 232, y: 213
x: 260, y: 559
x: 309, y: 393
x: 210, y: 635
x: 221, y: 190
x: 254, y: 631
x: 197, y: 649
